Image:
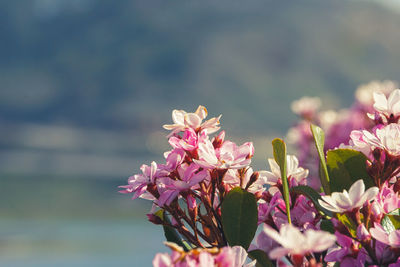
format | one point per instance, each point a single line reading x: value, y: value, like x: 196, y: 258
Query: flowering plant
x: 344, y: 209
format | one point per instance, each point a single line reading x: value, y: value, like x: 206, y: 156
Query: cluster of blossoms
x: 299, y: 225
x: 337, y: 125
x: 197, y: 174
x: 227, y: 256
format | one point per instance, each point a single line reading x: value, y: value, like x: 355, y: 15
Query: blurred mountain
x: 126, y: 64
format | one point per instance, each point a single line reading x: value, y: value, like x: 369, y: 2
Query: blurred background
x: 86, y: 85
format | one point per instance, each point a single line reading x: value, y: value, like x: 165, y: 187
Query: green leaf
x: 279, y: 148
x: 239, y: 217
x: 319, y: 139
x: 327, y: 225
x: 349, y: 223
x: 261, y: 258
x: 170, y: 233
x: 394, y: 217
x: 314, y: 196
x: 391, y: 221
x: 394, y: 212
x: 346, y: 166
x: 387, y: 225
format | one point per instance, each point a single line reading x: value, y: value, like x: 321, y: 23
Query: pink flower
x: 387, y: 199
x: 189, y: 178
x: 229, y: 155
x: 391, y: 239
x: 213, y: 257
x: 294, y: 242
x: 264, y: 242
x: 347, y: 201
x: 265, y: 209
x: 173, y: 158
x: 189, y: 141
x: 233, y: 257
x: 138, y: 183
x: 183, y: 120
x: 387, y: 138
x: 162, y: 260
x: 348, y: 254
x: 233, y: 178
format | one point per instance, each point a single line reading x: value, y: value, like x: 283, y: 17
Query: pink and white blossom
x: 189, y: 140
x: 294, y: 242
x: 306, y: 106
x: 264, y: 242
x: 234, y: 178
x: 387, y: 106
x: 347, y: 253
x: 348, y: 201
x: 229, y: 155
x: 189, y: 178
x: 184, y: 120
x: 364, y: 93
x: 387, y: 199
x: 391, y: 239
x: 174, y: 158
x: 137, y: 183
x: 386, y: 138
x: 296, y: 175
x: 213, y: 257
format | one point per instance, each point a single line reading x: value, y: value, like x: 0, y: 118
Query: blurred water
x: 78, y: 243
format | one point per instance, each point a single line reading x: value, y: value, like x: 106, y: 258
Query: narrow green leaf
x: 313, y: 195
x: 346, y: 166
x: 239, y: 217
x: 170, y: 233
x: 349, y: 223
x: 279, y: 148
x: 319, y: 139
x: 261, y: 258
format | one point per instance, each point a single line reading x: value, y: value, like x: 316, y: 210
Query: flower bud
x: 362, y: 233
x: 376, y: 212
x: 252, y: 180
x: 218, y: 140
x: 154, y: 218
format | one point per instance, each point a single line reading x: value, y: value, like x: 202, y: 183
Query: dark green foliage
x: 239, y: 217
x: 346, y: 166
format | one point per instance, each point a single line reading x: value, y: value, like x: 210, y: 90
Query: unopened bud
x: 252, y: 180
x: 219, y: 139
x: 362, y: 233
x: 192, y: 206
x: 154, y: 218
x: 376, y: 212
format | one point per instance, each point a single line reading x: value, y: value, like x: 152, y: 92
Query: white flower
x: 347, y: 201
x: 387, y: 138
x: 306, y: 106
x: 229, y: 155
x: 388, y: 106
x: 296, y: 243
x: 233, y: 178
x: 364, y: 92
x: 183, y: 120
x: 292, y: 171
